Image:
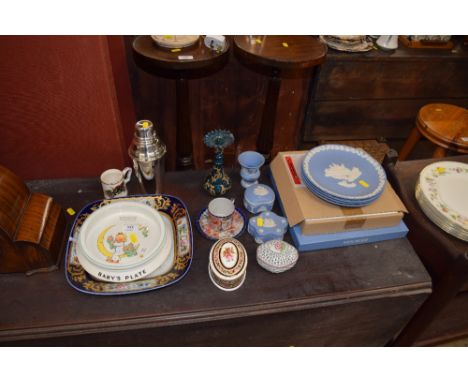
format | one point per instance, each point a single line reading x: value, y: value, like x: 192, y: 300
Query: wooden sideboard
x: 354, y: 296
x: 378, y: 94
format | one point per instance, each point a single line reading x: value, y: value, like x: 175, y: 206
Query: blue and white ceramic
x: 338, y: 201
x: 343, y: 175
x: 258, y: 198
x: 249, y: 178
x: 267, y: 226
x: 250, y: 162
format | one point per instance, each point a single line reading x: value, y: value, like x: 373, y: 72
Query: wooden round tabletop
x: 446, y: 125
x: 151, y: 56
x: 281, y: 52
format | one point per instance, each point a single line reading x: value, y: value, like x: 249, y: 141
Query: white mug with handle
x: 114, y: 182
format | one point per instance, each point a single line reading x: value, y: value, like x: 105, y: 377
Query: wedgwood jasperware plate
x: 335, y: 200
x: 344, y: 172
x: 171, y: 207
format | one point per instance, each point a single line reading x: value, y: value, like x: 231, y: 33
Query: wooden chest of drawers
x: 378, y: 94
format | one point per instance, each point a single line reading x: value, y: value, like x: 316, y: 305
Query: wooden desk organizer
x: 32, y: 228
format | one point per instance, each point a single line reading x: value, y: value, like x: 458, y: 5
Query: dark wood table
x: 360, y: 295
x: 276, y: 55
x: 444, y: 315
x: 168, y: 63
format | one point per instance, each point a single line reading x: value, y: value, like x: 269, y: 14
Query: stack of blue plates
x: 343, y: 175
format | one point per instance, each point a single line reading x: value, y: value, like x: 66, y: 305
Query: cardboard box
x: 315, y: 216
x: 344, y: 239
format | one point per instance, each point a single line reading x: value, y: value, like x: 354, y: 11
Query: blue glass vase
x: 218, y: 182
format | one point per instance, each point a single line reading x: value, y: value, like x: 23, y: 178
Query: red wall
x: 63, y: 111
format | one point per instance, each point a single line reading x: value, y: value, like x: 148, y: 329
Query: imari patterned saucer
x: 441, y: 192
x: 343, y: 175
x: 214, y: 232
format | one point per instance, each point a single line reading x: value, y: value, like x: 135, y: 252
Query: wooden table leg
x: 443, y: 292
x: 411, y: 141
x: 439, y: 152
x: 184, y: 131
x: 267, y: 128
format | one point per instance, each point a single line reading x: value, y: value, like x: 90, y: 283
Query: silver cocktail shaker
x: 147, y: 152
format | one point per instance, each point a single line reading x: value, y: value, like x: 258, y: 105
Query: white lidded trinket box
x: 277, y: 256
x: 228, y: 264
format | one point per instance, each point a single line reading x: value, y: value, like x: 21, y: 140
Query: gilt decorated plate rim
x: 379, y: 173
x: 172, y: 206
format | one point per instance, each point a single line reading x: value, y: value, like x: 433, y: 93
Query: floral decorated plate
x: 344, y: 172
x: 442, y: 191
x: 173, y: 210
x: 437, y: 218
x: 213, y: 232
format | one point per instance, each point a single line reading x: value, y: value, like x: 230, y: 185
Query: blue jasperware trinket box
x: 267, y: 226
x: 259, y: 198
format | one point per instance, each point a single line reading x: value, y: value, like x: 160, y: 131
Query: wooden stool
x: 444, y: 125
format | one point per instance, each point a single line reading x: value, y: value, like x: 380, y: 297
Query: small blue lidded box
x: 267, y: 226
x: 258, y: 198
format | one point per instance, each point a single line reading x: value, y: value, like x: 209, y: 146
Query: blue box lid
x: 259, y: 194
x: 267, y: 224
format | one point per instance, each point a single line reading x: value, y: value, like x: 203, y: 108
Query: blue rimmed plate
x: 339, y: 201
x: 174, y: 210
x: 343, y: 172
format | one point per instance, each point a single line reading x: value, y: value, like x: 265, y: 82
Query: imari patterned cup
x: 220, y: 213
x: 114, y: 182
